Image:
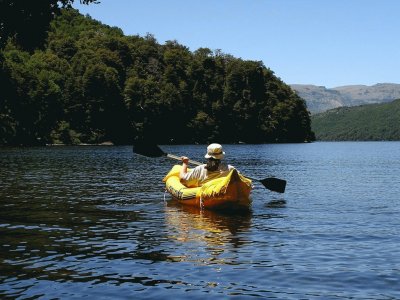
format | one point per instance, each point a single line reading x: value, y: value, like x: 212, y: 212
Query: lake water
x: 92, y: 222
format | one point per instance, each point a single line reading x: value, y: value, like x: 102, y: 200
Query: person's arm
x: 185, y: 162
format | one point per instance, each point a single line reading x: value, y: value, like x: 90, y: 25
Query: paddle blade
x: 274, y: 184
x: 148, y: 149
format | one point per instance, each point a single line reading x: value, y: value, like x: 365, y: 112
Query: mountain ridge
x: 320, y: 98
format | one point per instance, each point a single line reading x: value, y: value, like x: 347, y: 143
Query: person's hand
x: 185, y: 159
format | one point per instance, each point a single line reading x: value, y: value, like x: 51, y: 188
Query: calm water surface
x: 92, y: 222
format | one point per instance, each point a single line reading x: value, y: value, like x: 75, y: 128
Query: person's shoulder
x: 226, y: 167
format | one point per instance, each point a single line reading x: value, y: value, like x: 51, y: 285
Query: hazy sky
x: 322, y: 42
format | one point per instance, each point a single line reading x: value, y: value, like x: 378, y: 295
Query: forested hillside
x: 373, y: 122
x: 90, y: 84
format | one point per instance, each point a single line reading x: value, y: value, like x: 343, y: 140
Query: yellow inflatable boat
x: 229, y: 192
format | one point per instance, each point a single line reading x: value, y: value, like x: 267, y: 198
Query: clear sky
x: 323, y: 42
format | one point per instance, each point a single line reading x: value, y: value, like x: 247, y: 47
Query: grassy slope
x: 360, y: 123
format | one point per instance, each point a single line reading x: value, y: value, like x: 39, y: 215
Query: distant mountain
x: 372, y: 122
x: 319, y: 98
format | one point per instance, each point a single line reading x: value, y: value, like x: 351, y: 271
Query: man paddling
x: 214, y: 167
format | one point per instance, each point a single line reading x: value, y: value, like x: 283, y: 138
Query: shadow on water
x: 277, y: 203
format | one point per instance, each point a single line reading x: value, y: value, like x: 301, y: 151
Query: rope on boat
x: 165, y: 192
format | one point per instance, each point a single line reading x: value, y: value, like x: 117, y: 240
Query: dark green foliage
x: 89, y: 84
x: 374, y: 122
x: 27, y: 21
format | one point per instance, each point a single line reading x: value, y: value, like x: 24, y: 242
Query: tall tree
x: 90, y: 84
x: 28, y: 21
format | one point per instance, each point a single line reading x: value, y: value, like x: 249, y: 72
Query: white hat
x: 215, y: 151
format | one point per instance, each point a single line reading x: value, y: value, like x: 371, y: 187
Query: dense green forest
x: 89, y: 83
x: 373, y: 122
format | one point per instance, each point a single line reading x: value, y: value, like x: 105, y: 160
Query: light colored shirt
x: 200, y: 175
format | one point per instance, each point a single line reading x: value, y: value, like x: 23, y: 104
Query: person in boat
x: 213, y: 169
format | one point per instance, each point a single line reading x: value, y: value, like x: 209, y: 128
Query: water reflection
x: 211, y: 235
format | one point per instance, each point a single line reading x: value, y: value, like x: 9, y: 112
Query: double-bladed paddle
x: 152, y: 150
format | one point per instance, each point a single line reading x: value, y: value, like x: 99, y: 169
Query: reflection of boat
x: 195, y: 225
x: 228, y: 192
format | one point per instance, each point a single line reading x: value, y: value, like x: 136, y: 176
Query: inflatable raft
x: 229, y: 192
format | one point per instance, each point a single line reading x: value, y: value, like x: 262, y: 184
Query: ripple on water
x: 92, y: 222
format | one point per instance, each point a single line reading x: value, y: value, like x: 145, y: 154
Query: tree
x: 28, y: 21
x: 17, y: 103
x: 90, y: 84
x: 46, y: 91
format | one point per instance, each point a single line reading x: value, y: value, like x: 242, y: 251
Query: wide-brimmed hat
x: 215, y: 151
